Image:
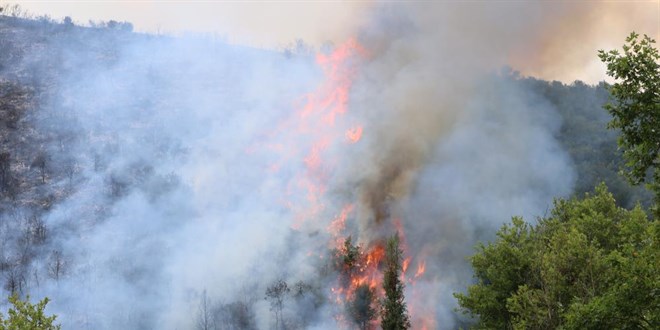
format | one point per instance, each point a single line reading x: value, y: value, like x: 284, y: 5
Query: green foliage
x: 590, y: 265
x: 394, y: 314
x: 23, y: 316
x: 636, y: 107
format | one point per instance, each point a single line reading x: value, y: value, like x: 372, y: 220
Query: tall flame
x: 322, y: 118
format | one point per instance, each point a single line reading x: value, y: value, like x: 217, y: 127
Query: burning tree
x: 357, y: 288
x: 394, y: 314
x: 347, y: 259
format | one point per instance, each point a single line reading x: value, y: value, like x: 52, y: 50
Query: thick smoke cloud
x: 192, y: 175
x: 453, y: 148
x: 173, y: 194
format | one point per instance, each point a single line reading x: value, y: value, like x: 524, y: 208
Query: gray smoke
x: 173, y: 196
x: 189, y: 181
x: 453, y: 147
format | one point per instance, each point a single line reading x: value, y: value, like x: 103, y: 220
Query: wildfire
x: 375, y: 255
x: 315, y: 123
x: 357, y: 267
x: 353, y: 135
x: 321, y: 121
x: 337, y: 226
x: 421, y: 267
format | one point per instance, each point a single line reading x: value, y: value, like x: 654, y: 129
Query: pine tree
x: 394, y: 314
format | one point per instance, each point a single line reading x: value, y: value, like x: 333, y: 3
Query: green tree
x: 394, y: 314
x: 24, y: 315
x: 636, y: 108
x: 589, y: 265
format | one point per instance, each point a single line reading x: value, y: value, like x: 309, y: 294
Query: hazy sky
x: 260, y: 23
x: 565, y: 51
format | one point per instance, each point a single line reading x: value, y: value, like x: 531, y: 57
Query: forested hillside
x: 584, y: 134
x: 104, y: 132
x: 82, y: 135
x: 590, y: 264
x: 38, y: 167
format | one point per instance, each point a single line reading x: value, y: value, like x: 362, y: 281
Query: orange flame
x: 375, y: 255
x: 353, y: 135
x: 421, y: 267
x: 406, y: 263
x: 337, y: 226
x: 315, y: 121
x: 367, y: 272
x: 319, y: 120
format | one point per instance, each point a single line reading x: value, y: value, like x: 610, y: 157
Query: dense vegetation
x: 24, y: 315
x: 636, y: 108
x: 590, y: 264
x: 584, y: 135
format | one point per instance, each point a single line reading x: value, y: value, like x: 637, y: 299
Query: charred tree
x: 5, y: 166
x: 276, y: 294
x: 204, y: 317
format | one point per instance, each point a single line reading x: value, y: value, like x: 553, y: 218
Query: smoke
x: 562, y: 47
x: 453, y: 147
x: 172, y: 197
x: 203, y: 169
x: 553, y: 40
